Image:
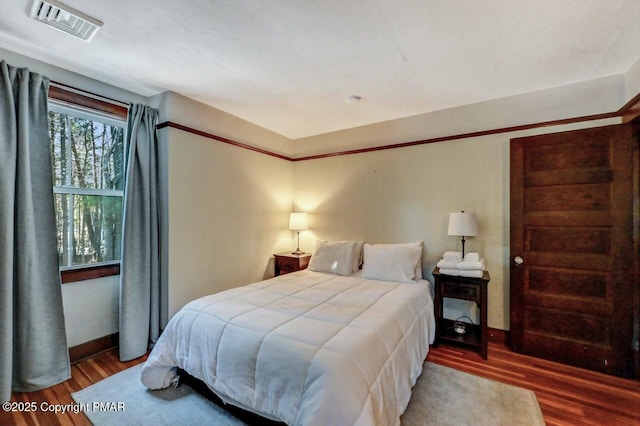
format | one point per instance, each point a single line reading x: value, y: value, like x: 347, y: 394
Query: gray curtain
x: 33, y: 343
x: 143, y: 266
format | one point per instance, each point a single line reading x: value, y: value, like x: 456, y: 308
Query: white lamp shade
x: 463, y: 224
x: 298, y: 221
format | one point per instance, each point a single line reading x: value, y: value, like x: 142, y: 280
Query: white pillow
x: 357, y: 252
x: 333, y: 256
x: 419, y: 264
x: 393, y: 262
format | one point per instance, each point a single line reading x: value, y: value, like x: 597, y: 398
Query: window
x: 87, y: 152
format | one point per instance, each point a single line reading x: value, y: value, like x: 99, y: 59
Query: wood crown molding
x: 220, y: 139
x: 625, y: 111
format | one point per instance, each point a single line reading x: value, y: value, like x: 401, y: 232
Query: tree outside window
x: 87, y: 151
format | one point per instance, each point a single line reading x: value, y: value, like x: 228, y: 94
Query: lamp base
x: 298, y: 252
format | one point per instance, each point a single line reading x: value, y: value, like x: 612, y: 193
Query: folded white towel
x: 447, y: 264
x: 470, y: 273
x: 452, y: 256
x: 470, y: 265
x: 453, y: 272
x: 472, y: 257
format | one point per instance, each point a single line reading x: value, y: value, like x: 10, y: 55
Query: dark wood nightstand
x: 472, y: 289
x: 287, y: 262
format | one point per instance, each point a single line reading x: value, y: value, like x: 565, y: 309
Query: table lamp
x: 463, y: 224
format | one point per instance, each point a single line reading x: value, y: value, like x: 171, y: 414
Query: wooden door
x: 572, y: 225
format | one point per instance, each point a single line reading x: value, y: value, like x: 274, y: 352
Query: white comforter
x: 304, y: 348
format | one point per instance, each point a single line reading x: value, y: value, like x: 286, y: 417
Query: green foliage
x: 87, y: 154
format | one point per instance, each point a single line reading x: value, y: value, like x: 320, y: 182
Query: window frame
x: 63, y: 96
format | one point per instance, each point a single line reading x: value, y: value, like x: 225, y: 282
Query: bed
x: 314, y: 347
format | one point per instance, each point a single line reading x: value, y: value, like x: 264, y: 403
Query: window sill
x: 81, y: 274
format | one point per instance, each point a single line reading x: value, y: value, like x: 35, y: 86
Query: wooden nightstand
x: 287, y: 262
x: 472, y: 289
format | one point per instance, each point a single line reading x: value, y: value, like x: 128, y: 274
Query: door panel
x: 572, y: 196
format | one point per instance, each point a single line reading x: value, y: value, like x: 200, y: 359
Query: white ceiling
x: 289, y: 65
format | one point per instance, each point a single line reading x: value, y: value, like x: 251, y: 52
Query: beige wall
x: 228, y: 212
x: 406, y: 194
x: 91, y: 309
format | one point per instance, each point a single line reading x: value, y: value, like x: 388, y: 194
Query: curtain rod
x: 88, y: 94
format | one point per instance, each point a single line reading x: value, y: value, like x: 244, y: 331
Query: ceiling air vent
x: 64, y: 18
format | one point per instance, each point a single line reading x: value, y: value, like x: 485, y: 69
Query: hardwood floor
x: 567, y: 395
x: 83, y: 374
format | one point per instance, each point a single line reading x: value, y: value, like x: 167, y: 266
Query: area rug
x: 442, y: 396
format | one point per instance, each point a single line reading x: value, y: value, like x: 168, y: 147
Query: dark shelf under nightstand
x: 463, y: 288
